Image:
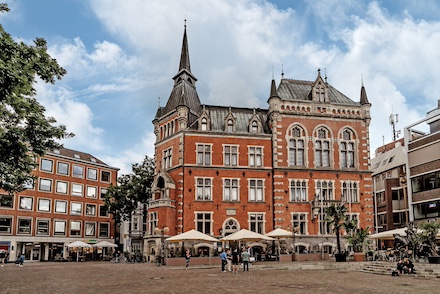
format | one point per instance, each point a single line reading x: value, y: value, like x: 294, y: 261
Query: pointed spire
x: 364, y: 99
x: 282, y: 71
x: 273, y: 89
x: 184, y: 56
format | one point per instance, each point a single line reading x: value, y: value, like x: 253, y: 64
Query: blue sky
x: 121, y: 56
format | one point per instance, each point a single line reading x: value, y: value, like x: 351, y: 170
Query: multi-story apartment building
x: 223, y: 168
x: 422, y: 142
x: 389, y: 187
x: 63, y: 205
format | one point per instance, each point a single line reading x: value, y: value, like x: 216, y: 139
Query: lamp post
x: 162, y: 232
x: 322, y: 227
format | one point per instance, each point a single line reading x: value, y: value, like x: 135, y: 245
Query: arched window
x: 169, y: 130
x: 164, y: 130
x: 322, y: 148
x: 172, y: 127
x: 296, y: 147
x: 230, y: 128
x: 347, y: 149
x: 254, y: 128
x: 204, y: 124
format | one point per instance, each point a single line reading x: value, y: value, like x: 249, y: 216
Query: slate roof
x: 388, y: 160
x: 76, y: 155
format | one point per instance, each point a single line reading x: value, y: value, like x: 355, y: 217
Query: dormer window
x: 230, y: 128
x: 204, y: 124
x: 254, y: 127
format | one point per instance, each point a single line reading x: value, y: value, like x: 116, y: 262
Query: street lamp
x: 321, y: 221
x: 162, y: 232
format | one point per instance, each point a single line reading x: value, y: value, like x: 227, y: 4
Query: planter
x: 434, y: 259
x: 340, y: 257
x: 358, y: 256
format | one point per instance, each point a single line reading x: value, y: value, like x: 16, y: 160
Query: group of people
x: 230, y: 260
x: 405, y: 266
x: 4, y: 258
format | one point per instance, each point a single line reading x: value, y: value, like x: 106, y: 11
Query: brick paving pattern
x: 104, y: 277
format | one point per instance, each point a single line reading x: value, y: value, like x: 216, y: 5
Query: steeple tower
x: 364, y: 99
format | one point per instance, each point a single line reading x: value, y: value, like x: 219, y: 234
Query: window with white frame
x: 230, y: 127
x: 45, y: 185
x: 298, y: 190
x: 347, y: 149
x: 325, y: 190
x: 75, y: 208
x: 46, y: 165
x: 230, y: 155
x: 322, y: 148
x: 167, y: 158
x: 26, y: 203
x: 6, y: 201
x: 78, y: 171
x: 75, y: 228
x: 296, y: 147
x: 42, y: 227
x: 59, y: 227
x: 105, y: 176
x: 90, y: 229
x: 254, y: 127
x: 135, y: 223
x: 230, y: 190
x: 44, y: 205
x: 103, y: 193
x: 5, y: 225
x: 77, y: 189
x: 255, y: 156
x: 204, y: 187
x: 90, y: 209
x: 256, y: 190
x: 60, y: 206
x: 204, y: 222
x: 204, y: 124
x: 256, y: 222
x: 63, y: 168
x: 203, y: 154
x: 25, y: 226
x: 350, y: 191
x: 103, y: 211
x: 104, y: 229
x: 92, y: 191
x: 61, y: 187
x: 152, y: 222
x: 92, y: 174
x: 324, y: 226
x: 299, y: 222
x: 29, y: 184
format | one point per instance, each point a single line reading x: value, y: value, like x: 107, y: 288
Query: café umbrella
x: 79, y: 244
x: 105, y: 244
x: 280, y: 234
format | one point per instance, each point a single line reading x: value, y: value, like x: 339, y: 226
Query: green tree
x: 132, y: 189
x: 25, y: 132
x: 429, y: 234
x: 336, y: 217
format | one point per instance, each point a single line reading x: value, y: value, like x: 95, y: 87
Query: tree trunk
x: 338, y: 241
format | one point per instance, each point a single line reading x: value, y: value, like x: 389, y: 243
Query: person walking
x: 224, y: 259
x: 245, y: 259
x: 235, y: 259
x: 21, y: 260
x: 3, y: 257
x: 187, y: 258
x: 229, y: 260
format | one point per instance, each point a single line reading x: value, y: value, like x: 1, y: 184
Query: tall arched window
x: 204, y: 124
x: 254, y: 127
x: 164, y: 130
x: 322, y: 148
x: 230, y: 126
x: 296, y: 147
x: 347, y: 149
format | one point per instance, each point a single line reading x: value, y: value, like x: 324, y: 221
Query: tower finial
x: 158, y: 106
x: 272, y: 73
x: 282, y: 71
x: 362, y: 80
x: 325, y: 74
x: 185, y: 24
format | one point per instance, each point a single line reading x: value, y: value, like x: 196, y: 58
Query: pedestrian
x: 245, y: 259
x: 224, y: 260
x: 21, y: 260
x: 187, y: 258
x: 229, y: 260
x: 2, y: 257
x: 235, y: 259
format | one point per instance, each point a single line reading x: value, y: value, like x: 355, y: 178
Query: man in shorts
x: 235, y: 260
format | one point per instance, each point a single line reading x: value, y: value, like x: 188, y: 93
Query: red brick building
x: 222, y: 168
x: 63, y: 205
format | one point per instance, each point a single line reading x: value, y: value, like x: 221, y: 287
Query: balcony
x: 160, y: 203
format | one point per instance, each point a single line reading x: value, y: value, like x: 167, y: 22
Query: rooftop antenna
x: 272, y: 73
x: 158, y: 106
x: 394, y: 119
x: 282, y: 71
x: 325, y: 74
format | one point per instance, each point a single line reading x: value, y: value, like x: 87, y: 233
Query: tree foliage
x: 428, y: 236
x: 134, y: 188
x: 25, y: 132
x: 337, y: 218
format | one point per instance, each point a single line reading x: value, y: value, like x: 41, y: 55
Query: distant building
x: 223, y: 168
x: 422, y: 142
x: 63, y: 205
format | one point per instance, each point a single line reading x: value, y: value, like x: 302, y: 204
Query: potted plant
x: 429, y: 238
x: 357, y: 242
x: 336, y: 217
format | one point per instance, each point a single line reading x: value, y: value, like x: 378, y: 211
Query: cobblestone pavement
x: 104, y: 277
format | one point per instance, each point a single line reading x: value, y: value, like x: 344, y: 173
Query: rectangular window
x: 26, y: 203
x: 59, y: 228
x: 77, y: 189
x: 44, y: 205
x: 5, y: 225
x: 325, y: 190
x: 230, y: 190
x: 63, y: 168
x: 167, y: 158
x: 203, y: 222
x: 230, y: 155
x: 29, y: 185
x: 6, y: 201
x: 103, y: 193
x: 42, y: 227
x: 24, y: 226
x: 256, y: 190
x: 256, y: 222
x: 92, y: 174
x: 90, y: 229
x: 296, y: 152
x: 152, y: 222
x: 75, y: 208
x: 255, y: 156
x: 46, y: 165
x: 75, y: 228
x: 299, y: 222
x: 105, y: 176
x: 92, y: 192
x: 78, y: 171
x: 60, y: 206
x: 90, y: 209
x: 45, y: 185
x: 103, y: 212
x: 203, y: 154
x: 298, y: 190
x: 204, y: 189
x: 350, y: 191
x: 61, y: 187
x: 324, y: 226
x: 104, y: 229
